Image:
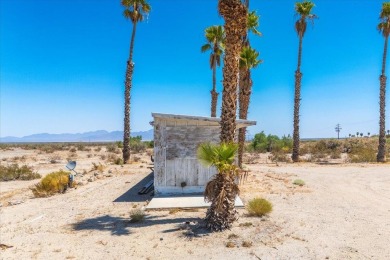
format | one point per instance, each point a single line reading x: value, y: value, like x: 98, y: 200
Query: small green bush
x: 363, y: 154
x: 259, y: 207
x: 298, y: 182
x: 55, y: 182
x: 112, y: 148
x: 15, y: 172
x: 137, y: 215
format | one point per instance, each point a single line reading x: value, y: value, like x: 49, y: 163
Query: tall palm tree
x: 135, y: 11
x: 248, y: 60
x: 384, y: 28
x: 245, y: 81
x: 221, y: 190
x: 215, y: 36
x: 235, y: 16
x: 303, y: 10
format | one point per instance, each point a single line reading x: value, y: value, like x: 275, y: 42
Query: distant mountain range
x: 95, y: 136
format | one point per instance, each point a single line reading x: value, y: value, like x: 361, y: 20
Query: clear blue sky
x: 63, y: 64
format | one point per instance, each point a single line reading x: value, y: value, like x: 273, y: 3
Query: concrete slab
x: 186, y: 201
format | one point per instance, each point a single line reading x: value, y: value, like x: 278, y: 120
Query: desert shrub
x: 80, y: 147
x: 137, y: 215
x: 98, y: 167
x: 115, y: 159
x: 246, y: 224
x: 118, y: 161
x: 55, y: 182
x: 247, y: 243
x: 364, y: 154
x: 98, y: 149
x: 230, y: 244
x: 136, y: 144
x: 299, y: 182
x: 149, y: 144
x: 259, y: 207
x: 262, y: 143
x: 15, y: 172
x: 73, y: 150
x: 119, y: 144
x: 361, y: 150
x: 55, y: 158
x: 112, y: 148
x: 279, y: 156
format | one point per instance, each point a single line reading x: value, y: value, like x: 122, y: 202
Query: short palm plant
x: 222, y: 189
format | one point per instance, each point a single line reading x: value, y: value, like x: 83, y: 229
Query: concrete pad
x: 185, y: 201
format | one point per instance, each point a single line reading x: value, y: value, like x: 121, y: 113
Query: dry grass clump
x: 259, y: 207
x: 137, y: 215
x: 299, y: 182
x: 55, y: 182
x: 232, y: 236
x: 280, y: 156
x: 230, y: 244
x: 115, y: 159
x: 246, y: 224
x: 98, y: 167
x: 113, y: 148
x: 15, y: 172
x: 247, y: 243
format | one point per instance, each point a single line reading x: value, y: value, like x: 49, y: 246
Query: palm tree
x: 384, y: 28
x: 245, y: 81
x: 357, y: 134
x: 221, y: 190
x: 135, y: 11
x: 248, y: 60
x: 215, y: 36
x: 235, y: 16
x: 303, y: 10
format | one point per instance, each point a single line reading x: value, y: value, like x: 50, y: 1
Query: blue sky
x: 63, y: 64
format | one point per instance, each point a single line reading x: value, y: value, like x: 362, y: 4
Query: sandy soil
x: 343, y: 212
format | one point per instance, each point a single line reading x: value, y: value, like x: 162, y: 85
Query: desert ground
x: 342, y: 212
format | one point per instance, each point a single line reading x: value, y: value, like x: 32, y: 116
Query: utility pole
x: 338, y: 129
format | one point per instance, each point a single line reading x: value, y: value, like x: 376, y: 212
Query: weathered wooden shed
x: 176, y: 139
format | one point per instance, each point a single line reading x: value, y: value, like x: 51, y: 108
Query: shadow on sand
x: 119, y: 226
x: 132, y: 194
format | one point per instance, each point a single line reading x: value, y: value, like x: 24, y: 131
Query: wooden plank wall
x: 176, y: 144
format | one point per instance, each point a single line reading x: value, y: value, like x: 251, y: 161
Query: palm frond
x: 135, y: 10
x: 303, y: 10
x: 384, y: 16
x: 249, y: 58
x: 221, y: 156
x: 205, y: 47
x: 253, y: 23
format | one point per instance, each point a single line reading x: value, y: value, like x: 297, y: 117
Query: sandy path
x: 342, y: 213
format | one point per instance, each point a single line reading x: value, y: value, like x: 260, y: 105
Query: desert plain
x: 342, y: 212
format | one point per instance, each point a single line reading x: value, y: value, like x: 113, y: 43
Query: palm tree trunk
x: 234, y: 13
x: 244, y: 100
x: 214, y: 94
x: 128, y: 83
x: 297, y: 101
x: 222, y: 212
x: 381, y: 156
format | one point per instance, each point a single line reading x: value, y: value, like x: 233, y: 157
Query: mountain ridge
x: 91, y: 136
